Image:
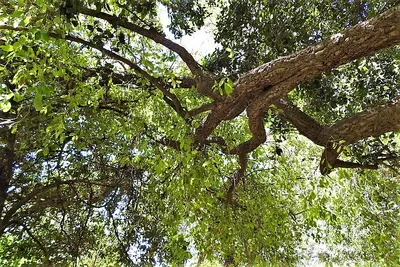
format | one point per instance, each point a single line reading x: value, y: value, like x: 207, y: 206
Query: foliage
x: 100, y: 163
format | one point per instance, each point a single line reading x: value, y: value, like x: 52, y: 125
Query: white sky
x: 199, y: 43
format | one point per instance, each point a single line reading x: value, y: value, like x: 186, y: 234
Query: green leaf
x: 312, y: 196
x: 148, y: 64
x: 221, y: 82
x: 37, y: 102
x: 45, y: 36
x: 5, y: 106
x: 45, y: 151
x: 231, y: 53
x: 14, y: 128
x: 7, y: 47
x: 227, y: 88
x: 41, y: 36
x: 38, y: 35
x: 17, y: 13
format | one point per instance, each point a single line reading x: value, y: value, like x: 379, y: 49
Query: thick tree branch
x: 210, y: 123
x: 361, y: 40
x: 305, y: 124
x: 268, y: 83
x: 371, y: 122
x: 256, y: 125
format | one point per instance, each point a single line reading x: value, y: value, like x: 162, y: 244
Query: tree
x: 119, y: 147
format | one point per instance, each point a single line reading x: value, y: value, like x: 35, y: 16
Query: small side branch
x: 173, y: 100
x: 237, y: 178
x: 36, y: 192
x: 38, y: 242
x: 201, y: 109
x: 353, y: 165
x: 330, y: 161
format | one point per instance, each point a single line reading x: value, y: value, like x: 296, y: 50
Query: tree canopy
x: 119, y: 148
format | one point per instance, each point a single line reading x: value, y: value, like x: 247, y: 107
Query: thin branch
x: 217, y: 140
x: 40, y: 190
x: 38, y: 242
x: 388, y: 158
x: 121, y: 244
x: 353, y: 165
x: 173, y: 98
x: 237, y: 178
x: 117, y: 78
x: 170, y: 143
x: 121, y: 112
x: 149, y: 33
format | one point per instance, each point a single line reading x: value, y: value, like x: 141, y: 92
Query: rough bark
x: 369, y: 123
x: 259, y: 88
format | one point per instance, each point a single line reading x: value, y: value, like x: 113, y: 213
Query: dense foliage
x: 107, y: 156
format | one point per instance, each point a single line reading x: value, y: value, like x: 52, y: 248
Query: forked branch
x: 369, y: 123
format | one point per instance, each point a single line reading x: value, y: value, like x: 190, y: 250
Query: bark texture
x: 261, y: 87
x: 368, y: 123
x: 271, y: 82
